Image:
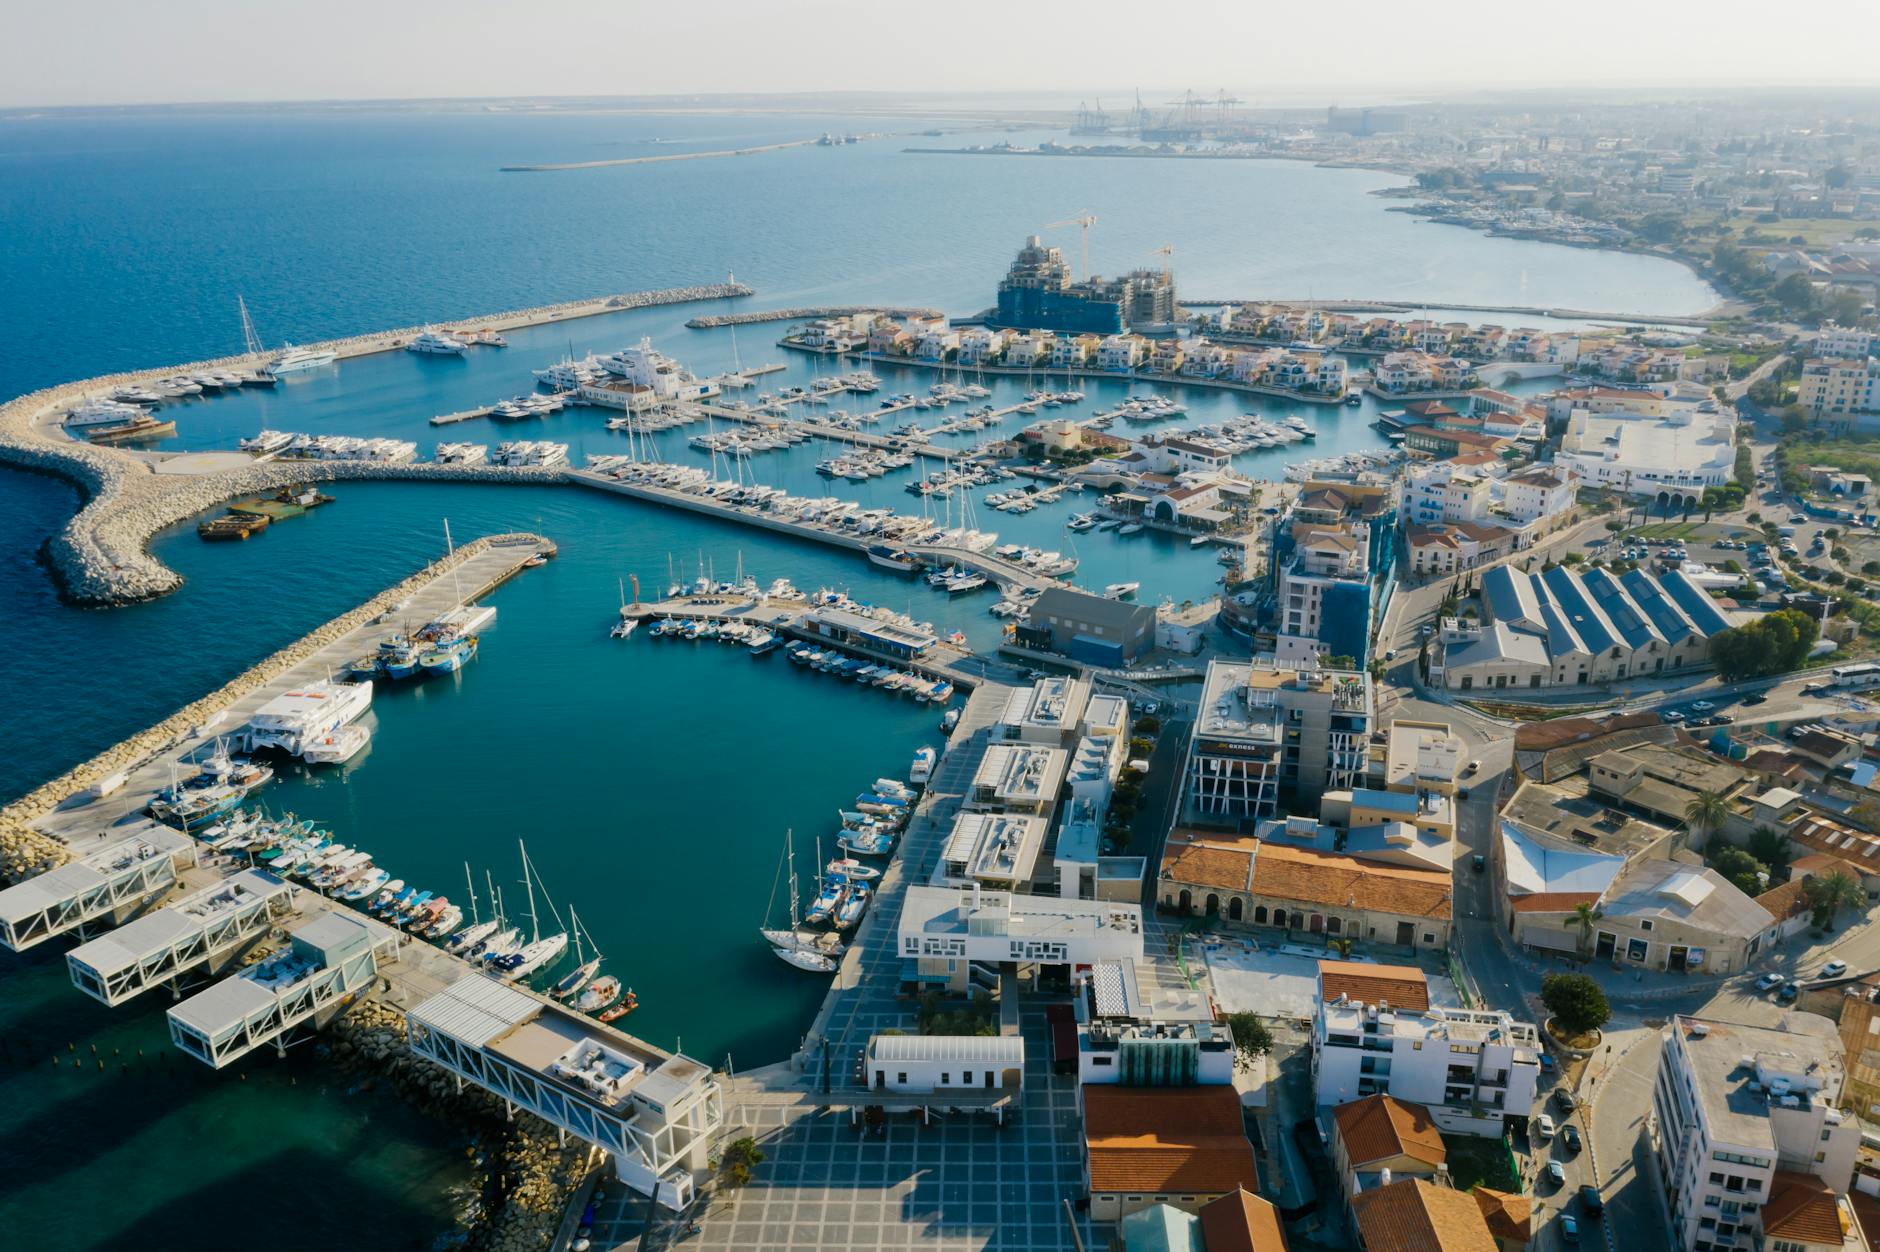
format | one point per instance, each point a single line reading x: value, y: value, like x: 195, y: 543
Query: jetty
x: 656, y: 160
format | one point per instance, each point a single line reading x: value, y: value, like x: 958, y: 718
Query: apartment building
x: 1751, y: 1147
x: 1840, y: 387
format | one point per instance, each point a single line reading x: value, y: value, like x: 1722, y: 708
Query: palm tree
x: 1706, y: 811
x: 1584, y: 915
x: 1771, y: 847
x: 1828, y: 894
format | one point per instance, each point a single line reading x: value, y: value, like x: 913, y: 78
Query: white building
x: 1470, y: 1068
x: 1148, y: 1037
x: 1120, y: 352
x: 1833, y: 387
x: 1669, y: 458
x: 1538, y: 493
x: 1018, y: 778
x: 998, y: 850
x: 1750, y: 1145
x: 1844, y: 343
x: 1435, y: 492
x: 946, y: 1064
x: 978, y: 345
x: 946, y: 929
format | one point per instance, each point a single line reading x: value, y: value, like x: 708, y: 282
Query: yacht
x: 102, y: 413
x: 267, y: 443
x: 531, y: 453
x: 298, y: 360
x: 1121, y: 591
x: 462, y: 453
x: 136, y: 395
x: 341, y: 746
x: 437, y: 343
x: 298, y: 719
x: 569, y: 374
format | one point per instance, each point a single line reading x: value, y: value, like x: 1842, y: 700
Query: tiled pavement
x: 961, y: 1182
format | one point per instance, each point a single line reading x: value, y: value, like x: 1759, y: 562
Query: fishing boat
x: 823, y: 907
x: 870, y: 802
x: 854, y: 903
x: 600, y: 993
x: 869, y: 841
x: 948, y: 720
x: 373, y: 880
x: 852, y: 869
x: 620, y: 1010
x: 450, y: 656
x: 922, y: 768
x: 448, y: 919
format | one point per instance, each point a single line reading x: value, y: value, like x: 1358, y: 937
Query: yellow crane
x: 1166, y: 251
x: 1085, y: 219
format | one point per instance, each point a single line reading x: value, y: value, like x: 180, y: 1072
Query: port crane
x: 1086, y: 219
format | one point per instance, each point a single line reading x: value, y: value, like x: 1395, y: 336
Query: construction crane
x: 1085, y: 219
x: 1166, y: 251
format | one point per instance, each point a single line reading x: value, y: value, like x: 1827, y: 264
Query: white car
x: 1701, y: 706
x: 1768, y: 982
x: 1833, y: 969
x: 1543, y: 1127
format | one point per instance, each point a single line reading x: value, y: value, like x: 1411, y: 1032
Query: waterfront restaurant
x: 845, y: 627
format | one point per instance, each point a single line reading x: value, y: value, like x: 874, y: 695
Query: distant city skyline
x: 115, y: 52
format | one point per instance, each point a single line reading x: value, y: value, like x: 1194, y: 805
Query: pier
x: 104, y: 886
x: 206, y: 930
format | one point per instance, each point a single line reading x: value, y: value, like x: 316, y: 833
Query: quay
x: 655, y: 160
x: 468, y: 415
x: 1008, y: 574
x: 712, y: 321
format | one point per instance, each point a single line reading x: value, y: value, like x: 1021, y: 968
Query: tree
x: 1827, y: 894
x: 1576, y: 1002
x: 1747, y: 874
x: 740, y: 1158
x: 1706, y: 811
x: 1251, y: 1037
x: 1773, y: 644
x: 1771, y: 847
x: 1584, y: 915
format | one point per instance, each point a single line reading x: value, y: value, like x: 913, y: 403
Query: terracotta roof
x: 1784, y: 901
x: 1508, y: 1216
x: 1418, y: 1216
x: 1866, y: 1212
x: 1827, y: 863
x: 1240, y: 1222
x: 1824, y: 835
x: 1164, y: 1140
x: 1380, y: 1127
x: 1476, y: 457
x: 1404, y: 986
x: 1425, y: 536
x: 1552, y: 901
x: 1801, y: 1208
x: 1327, y: 878
x: 1205, y: 865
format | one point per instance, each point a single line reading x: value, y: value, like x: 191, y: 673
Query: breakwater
x: 656, y: 160
x: 98, y: 557
x: 25, y: 851
x: 712, y: 321
x: 1419, y: 306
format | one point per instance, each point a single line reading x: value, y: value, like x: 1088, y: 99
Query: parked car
x: 1768, y: 982
x: 1701, y: 706
x: 1788, y: 993
x: 1833, y: 969
x: 1478, y: 862
x: 1473, y: 767
x: 1755, y: 697
x: 1798, y: 519
x: 1672, y: 715
x: 1569, y: 1230
x: 1594, y: 1203
x: 1556, y: 1174
x: 1543, y: 1126
x: 1570, y: 1135
x: 1564, y: 1098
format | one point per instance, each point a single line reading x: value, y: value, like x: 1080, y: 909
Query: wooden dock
x: 468, y: 415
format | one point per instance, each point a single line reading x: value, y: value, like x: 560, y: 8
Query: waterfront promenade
x: 960, y: 1180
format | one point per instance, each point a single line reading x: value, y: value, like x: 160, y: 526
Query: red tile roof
x: 1418, y: 1216
x: 1380, y: 1127
x: 1403, y: 986
x: 1239, y: 1222
x: 1166, y: 1140
x: 1801, y: 1209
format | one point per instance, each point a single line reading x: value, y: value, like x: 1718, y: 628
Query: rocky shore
x: 804, y: 314
x: 25, y: 851
x: 528, y: 1174
x: 99, y: 556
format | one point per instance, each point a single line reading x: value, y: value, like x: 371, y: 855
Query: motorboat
x: 922, y: 769
x: 627, y: 1004
x: 1121, y: 591
x: 294, y: 360
x: 852, y: 869
x: 437, y: 343
x: 823, y: 907
x: 854, y: 903
x: 338, y: 747
x: 599, y: 994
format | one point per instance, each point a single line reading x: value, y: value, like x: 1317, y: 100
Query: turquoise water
x: 652, y: 781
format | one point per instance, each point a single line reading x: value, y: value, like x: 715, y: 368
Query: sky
x: 76, y: 52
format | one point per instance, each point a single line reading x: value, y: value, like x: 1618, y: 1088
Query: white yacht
x: 437, y: 343
x: 531, y: 452
x: 569, y: 374
x: 299, y: 719
x: 462, y: 453
x: 102, y: 413
x: 267, y: 443
x: 298, y: 360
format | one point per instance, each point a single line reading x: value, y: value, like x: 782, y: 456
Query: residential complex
x: 1267, y: 729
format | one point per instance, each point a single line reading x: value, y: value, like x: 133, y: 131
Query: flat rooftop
x: 1421, y: 753
x: 1052, y: 705
x: 993, y: 847
x: 1022, y: 773
x: 1237, y: 698
x: 1566, y: 812
x: 153, y: 932
x: 952, y: 910
x: 1809, y: 1047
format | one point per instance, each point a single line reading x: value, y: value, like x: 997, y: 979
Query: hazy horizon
x: 229, y: 52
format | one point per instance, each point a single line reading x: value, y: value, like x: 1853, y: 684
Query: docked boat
x: 889, y: 557
x: 294, y: 360
x: 922, y: 769
x: 449, y: 656
x: 371, y: 882
x: 620, y: 1010
x: 531, y: 957
x: 852, y: 869
x: 948, y: 720
x: 448, y: 919
x: 266, y: 443
x: 437, y: 343
x: 338, y: 747
x: 136, y: 395
x: 296, y: 719
x: 855, y: 899
x: 1121, y: 591
x: 807, y: 959
x: 868, y: 841
x: 828, y: 898
x: 599, y: 994
x: 232, y: 527
x: 1131, y: 528
x: 95, y: 413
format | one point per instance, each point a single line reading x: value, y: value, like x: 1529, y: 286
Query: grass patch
x: 1476, y: 1161
x: 1531, y: 712
x: 1667, y: 530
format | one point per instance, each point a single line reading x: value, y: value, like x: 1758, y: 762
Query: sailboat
x: 792, y: 945
x: 478, y: 930
x: 541, y: 950
x: 578, y: 977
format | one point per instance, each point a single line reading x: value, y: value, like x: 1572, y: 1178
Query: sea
x: 654, y: 783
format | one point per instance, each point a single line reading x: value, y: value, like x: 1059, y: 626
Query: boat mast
x: 789, y: 844
x: 250, y: 340
x: 535, y: 927
x: 472, y: 885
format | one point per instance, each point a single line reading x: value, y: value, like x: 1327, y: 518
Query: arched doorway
x: 1279, y: 917
x: 1233, y: 909
x: 1259, y: 914
x: 1214, y: 904
x: 1187, y: 901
